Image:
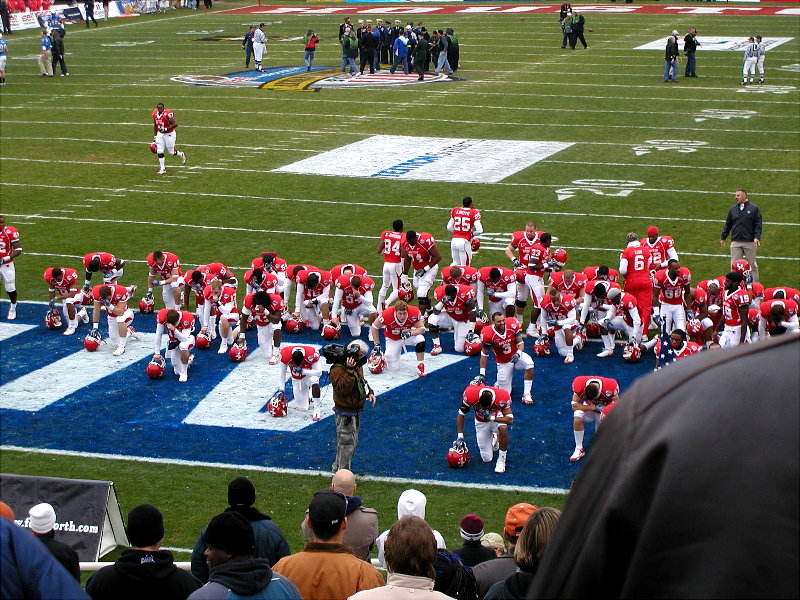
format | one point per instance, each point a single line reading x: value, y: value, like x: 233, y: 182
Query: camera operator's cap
x: 327, y: 507
x: 675, y: 32
x: 399, y: 21
x: 516, y: 517
x: 652, y: 230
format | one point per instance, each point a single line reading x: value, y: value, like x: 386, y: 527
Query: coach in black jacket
x: 690, y: 44
x: 744, y: 225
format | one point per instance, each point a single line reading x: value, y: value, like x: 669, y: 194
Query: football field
x: 588, y: 143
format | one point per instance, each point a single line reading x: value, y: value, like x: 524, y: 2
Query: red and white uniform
x: 574, y: 289
x: 788, y: 293
x: 223, y: 306
x: 391, y: 244
x: 196, y: 287
x: 168, y: 270
x: 713, y: 302
x: 565, y: 313
x: 9, y: 241
x: 592, y: 274
x: 635, y: 264
x: 533, y: 284
x: 624, y: 316
x: 394, y: 330
x: 671, y: 295
x: 504, y: 346
x: 464, y: 223
x: 420, y: 255
x: 165, y: 136
x: 662, y: 250
x: 601, y: 305
x: 609, y: 392
x: 687, y: 349
x: 469, y: 276
x: 183, y: 333
x: 523, y: 244
x: 455, y: 314
x: 500, y: 293
x: 338, y: 270
x: 303, y: 376
x: 119, y: 298
x: 278, y: 268
x: 264, y: 327
x: 766, y: 326
x: 119, y: 295
x: 731, y: 303
x: 354, y: 302
x: 484, y: 428
x: 107, y: 266
x: 308, y: 300
x: 66, y: 284
x: 756, y: 293
x: 269, y: 282
x: 217, y: 270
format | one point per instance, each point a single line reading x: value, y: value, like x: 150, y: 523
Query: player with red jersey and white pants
x: 671, y: 295
x: 63, y: 285
x: 596, y: 305
x: 422, y: 255
x: 464, y: 224
x: 354, y: 296
x: 735, y: 305
x: 590, y: 395
x: 782, y: 293
x: 500, y: 285
x: 164, y: 126
x: 561, y: 313
x: 662, y: 248
x: 256, y: 280
x: 680, y: 345
x: 622, y: 315
x: 568, y: 282
x: 109, y: 265
x: 302, y: 363
x: 455, y: 305
x: 164, y: 272
x: 270, y: 262
x: 390, y: 247
x: 9, y: 250
x: 219, y: 303
x: 402, y: 326
x: 518, y: 252
x: 636, y: 264
x: 777, y: 317
x: 266, y: 310
x: 504, y: 337
x: 179, y: 325
x: 114, y: 300
x: 312, y: 296
x: 492, y: 407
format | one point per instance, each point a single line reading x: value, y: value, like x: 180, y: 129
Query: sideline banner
x: 72, y: 14
x: 88, y: 518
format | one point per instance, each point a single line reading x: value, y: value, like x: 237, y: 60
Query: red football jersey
x: 464, y: 220
x: 609, y: 389
x: 162, y: 120
x: 700, y: 300
x: 627, y: 303
x: 65, y: 283
x: 573, y: 289
x: 393, y: 329
x: 278, y: 264
x: 591, y: 274
x: 730, y: 306
x: 688, y: 349
x: 659, y: 249
x: 269, y: 281
x: 167, y: 265
x: 507, y: 279
x: 336, y: 271
x: 349, y: 299
x: 392, y: 242
x: 504, y: 344
x: 8, y: 237
x: 215, y: 270
x: 789, y: 306
x: 310, y: 356
x: 311, y: 293
x: 457, y: 310
x: 671, y: 289
x: 420, y: 253
x: 558, y: 311
x: 119, y: 295
x: 537, y: 257
x: 469, y: 275
x: 107, y: 260
x: 640, y: 262
x: 523, y: 244
x: 471, y: 400
x: 788, y: 293
x: 260, y: 313
x: 185, y: 322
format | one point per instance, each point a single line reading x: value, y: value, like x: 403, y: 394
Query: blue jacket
x: 399, y: 48
x: 252, y: 579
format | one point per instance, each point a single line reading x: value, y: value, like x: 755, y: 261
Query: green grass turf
x: 85, y: 138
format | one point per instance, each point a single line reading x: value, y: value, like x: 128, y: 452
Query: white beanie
x: 43, y: 517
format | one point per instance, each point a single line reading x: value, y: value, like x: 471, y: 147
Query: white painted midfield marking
x: 263, y: 469
x: 9, y: 330
x: 38, y: 389
x: 231, y: 403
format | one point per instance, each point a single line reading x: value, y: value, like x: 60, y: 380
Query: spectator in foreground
x: 494, y: 541
x: 326, y: 568
x: 410, y: 554
x: 43, y: 520
x: 269, y: 540
x: 144, y: 571
x: 453, y: 578
x: 229, y: 550
x: 532, y: 543
x: 472, y: 552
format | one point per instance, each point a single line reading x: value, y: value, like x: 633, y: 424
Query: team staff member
x: 58, y: 52
x: 671, y: 58
x: 690, y: 45
x: 578, y: 23
x: 46, y: 56
x: 310, y: 42
x: 744, y: 224
x: 247, y: 46
x: 88, y: 6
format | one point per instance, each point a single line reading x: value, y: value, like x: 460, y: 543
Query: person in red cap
x: 471, y: 551
x: 662, y: 247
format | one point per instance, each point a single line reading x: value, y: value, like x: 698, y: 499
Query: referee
x: 751, y: 54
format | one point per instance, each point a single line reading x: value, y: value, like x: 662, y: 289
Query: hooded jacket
x: 411, y: 502
x: 246, y: 578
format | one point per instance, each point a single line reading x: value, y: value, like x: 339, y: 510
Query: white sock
x: 578, y: 438
x: 502, y: 454
x: 436, y: 343
x: 608, y: 342
x: 72, y: 323
x: 161, y: 162
x: 527, y: 384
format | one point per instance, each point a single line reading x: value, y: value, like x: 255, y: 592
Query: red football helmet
x: 406, y: 292
x: 560, y: 256
x: 479, y: 325
x: 202, y: 341
x: 153, y: 148
x: 147, y: 305
x: 694, y: 328
x: 579, y: 340
x: 92, y: 342
x: 458, y: 455
x: 237, y: 353
x: 331, y: 331
x: 593, y: 330
x: 632, y: 353
x: 551, y: 333
x: 741, y: 266
x: 541, y: 347
x: 376, y: 363
x: 476, y: 244
x: 753, y: 316
x: 52, y: 320
x: 294, y: 325
x: 155, y: 368
x: 472, y: 345
x: 277, y: 406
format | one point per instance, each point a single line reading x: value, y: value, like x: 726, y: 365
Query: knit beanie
x: 241, y: 492
x: 232, y: 533
x: 42, y: 518
x: 145, y: 526
x: 472, y: 527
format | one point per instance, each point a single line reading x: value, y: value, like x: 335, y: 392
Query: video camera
x: 338, y: 354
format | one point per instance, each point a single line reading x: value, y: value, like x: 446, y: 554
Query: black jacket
x: 577, y: 24
x: 689, y: 43
x: 671, y: 52
x: 472, y: 553
x: 142, y: 574
x: 63, y: 553
x: 743, y: 225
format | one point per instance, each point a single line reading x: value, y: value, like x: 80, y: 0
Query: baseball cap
x: 516, y: 517
x: 652, y: 230
x: 493, y: 540
x: 327, y: 507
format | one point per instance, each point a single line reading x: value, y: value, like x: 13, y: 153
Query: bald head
x: 345, y: 482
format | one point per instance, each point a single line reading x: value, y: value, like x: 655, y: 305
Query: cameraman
x: 350, y: 392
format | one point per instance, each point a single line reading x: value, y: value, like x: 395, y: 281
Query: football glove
x: 297, y: 371
x: 405, y: 335
x: 551, y: 322
x: 479, y: 314
x: 690, y: 315
x: 479, y: 380
x: 404, y: 279
x: 85, y: 287
x: 376, y: 350
x: 149, y: 294
x: 516, y: 263
x: 482, y: 413
x: 606, y: 323
x: 420, y: 273
x: 95, y: 332
x: 157, y: 282
x: 515, y: 357
x: 460, y: 445
x: 348, y: 311
x: 473, y: 337
x: 658, y: 320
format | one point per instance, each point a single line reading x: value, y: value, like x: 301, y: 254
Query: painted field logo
x: 296, y: 78
x: 716, y: 43
x: 430, y: 159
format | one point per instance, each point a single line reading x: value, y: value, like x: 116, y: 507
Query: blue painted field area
x: 79, y: 401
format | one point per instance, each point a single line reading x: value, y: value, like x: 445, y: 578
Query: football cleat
x: 161, y: 172
x: 119, y: 351
x: 183, y: 377
x: 632, y: 353
x: 147, y: 305
x: 406, y: 292
x: 183, y: 157
x: 421, y: 369
x: 155, y: 368
x: 275, y: 358
x: 52, y: 320
x: 330, y: 332
x: 475, y: 243
x: 578, y: 454
x: 202, y: 341
x: 315, y: 416
x: 223, y: 347
x: 294, y: 325
x: 83, y: 315
x: 69, y: 331
x: 12, y: 312
x: 532, y: 331
x: 500, y: 467
x: 569, y: 359
x: 527, y: 399
x: 458, y: 455
x: 606, y: 353
x: 277, y: 406
x: 132, y: 333
x: 436, y: 350
x: 237, y: 353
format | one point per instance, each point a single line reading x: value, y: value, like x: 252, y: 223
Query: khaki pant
x: 747, y: 251
x: 46, y: 63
